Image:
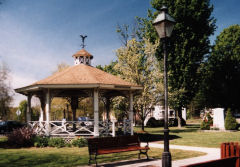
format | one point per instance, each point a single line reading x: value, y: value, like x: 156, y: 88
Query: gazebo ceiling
x: 79, y: 76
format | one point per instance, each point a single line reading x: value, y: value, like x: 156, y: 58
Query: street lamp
x: 164, y: 24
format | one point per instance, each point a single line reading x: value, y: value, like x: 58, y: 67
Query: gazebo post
x: 41, y: 117
x: 29, y: 97
x: 131, y: 111
x: 107, y: 108
x: 96, y: 114
x: 47, y: 110
x: 74, y: 105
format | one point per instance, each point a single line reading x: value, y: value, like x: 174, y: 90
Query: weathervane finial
x: 83, y: 38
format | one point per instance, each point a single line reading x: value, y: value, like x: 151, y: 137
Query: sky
x: 36, y: 35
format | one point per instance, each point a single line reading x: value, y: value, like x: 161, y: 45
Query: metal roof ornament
x: 83, y: 39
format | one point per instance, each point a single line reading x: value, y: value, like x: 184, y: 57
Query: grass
x: 66, y: 157
x: 192, y: 136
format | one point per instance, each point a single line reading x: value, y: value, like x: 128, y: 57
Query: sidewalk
x: 212, y: 153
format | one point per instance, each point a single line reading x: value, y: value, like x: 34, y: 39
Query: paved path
x: 212, y: 153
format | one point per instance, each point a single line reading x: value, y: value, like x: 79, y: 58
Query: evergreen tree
x: 230, y: 121
x: 221, y: 84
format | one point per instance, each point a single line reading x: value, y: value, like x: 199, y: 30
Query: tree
x: 5, y: 91
x: 189, y: 44
x: 221, y: 84
x: 58, y: 104
x: 137, y: 64
x: 61, y: 67
x: 23, y: 108
x: 109, y: 68
x: 230, y: 121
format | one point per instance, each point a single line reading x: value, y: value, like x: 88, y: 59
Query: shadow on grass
x: 6, y: 145
x: 187, y: 128
x: 145, y: 137
x: 196, y: 126
x: 130, y: 162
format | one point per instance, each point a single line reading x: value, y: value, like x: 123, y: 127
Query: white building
x: 158, y: 113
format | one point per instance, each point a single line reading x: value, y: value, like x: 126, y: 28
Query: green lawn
x: 192, y: 136
x: 54, y: 157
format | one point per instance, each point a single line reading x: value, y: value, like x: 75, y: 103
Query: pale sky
x: 36, y: 35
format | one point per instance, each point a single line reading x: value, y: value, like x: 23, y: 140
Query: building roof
x: 83, y: 74
x: 80, y: 76
x: 82, y: 52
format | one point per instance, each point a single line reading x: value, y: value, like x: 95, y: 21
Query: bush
x: 22, y: 137
x: 205, y: 126
x: 173, y: 122
x: 152, y: 122
x: 79, y: 142
x: 207, y: 122
x: 56, y: 142
x: 40, y: 141
x: 230, y: 121
x: 68, y: 145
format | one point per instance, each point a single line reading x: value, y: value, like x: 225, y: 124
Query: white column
x: 47, y: 110
x: 131, y: 111
x: 41, y: 115
x: 29, y: 108
x: 113, y: 128
x: 96, y: 114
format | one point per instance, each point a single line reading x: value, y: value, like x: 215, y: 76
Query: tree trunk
x: 143, y: 117
x: 142, y: 125
x: 179, y: 117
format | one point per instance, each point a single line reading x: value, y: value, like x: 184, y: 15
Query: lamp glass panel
x: 160, y: 27
x: 169, y: 28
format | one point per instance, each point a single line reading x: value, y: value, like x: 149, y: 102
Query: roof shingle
x: 83, y: 74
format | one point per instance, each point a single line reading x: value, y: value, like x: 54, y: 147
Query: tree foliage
x: 109, y: 68
x: 230, y: 121
x: 23, y: 108
x: 137, y: 64
x: 221, y: 86
x: 5, y: 91
x: 59, y: 105
x: 189, y: 44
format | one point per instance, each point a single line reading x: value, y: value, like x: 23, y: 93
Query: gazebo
x: 75, y: 83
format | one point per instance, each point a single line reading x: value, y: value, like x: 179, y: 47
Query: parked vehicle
x: 8, y: 126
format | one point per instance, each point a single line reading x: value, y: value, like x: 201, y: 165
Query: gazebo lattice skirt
x: 77, y: 128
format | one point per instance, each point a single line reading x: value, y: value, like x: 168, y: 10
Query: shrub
x: 79, y: 142
x: 22, y: 137
x: 207, y: 122
x: 152, y: 122
x: 56, y: 142
x: 68, y: 145
x: 230, y: 121
x: 205, y: 126
x: 173, y: 122
x: 40, y: 141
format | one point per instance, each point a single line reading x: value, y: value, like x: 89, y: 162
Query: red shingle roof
x: 82, y: 52
x: 83, y: 74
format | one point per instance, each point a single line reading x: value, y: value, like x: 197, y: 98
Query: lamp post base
x: 166, y: 159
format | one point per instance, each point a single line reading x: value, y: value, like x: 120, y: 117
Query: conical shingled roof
x: 82, y: 52
x: 83, y: 74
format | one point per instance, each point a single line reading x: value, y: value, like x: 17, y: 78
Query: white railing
x: 127, y: 126
x: 72, y: 128
x: 107, y: 128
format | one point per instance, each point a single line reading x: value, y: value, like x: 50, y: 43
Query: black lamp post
x: 164, y: 24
